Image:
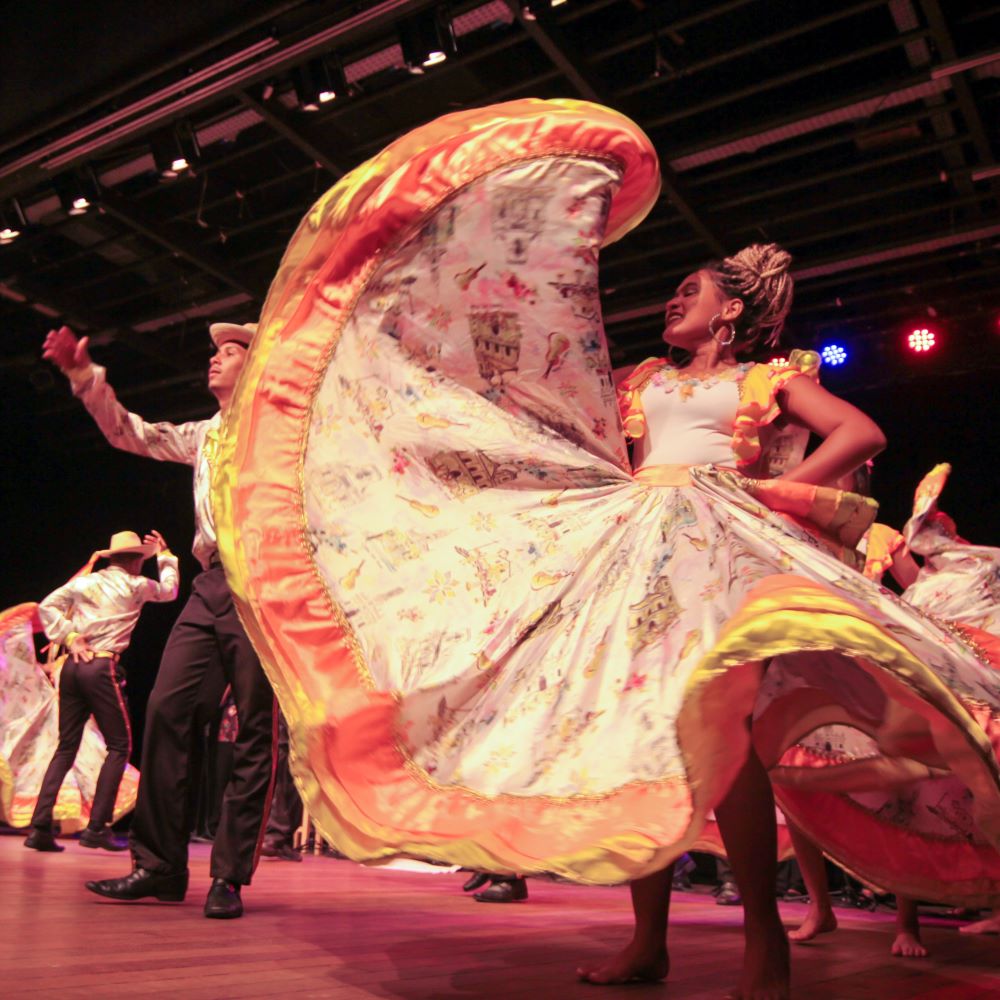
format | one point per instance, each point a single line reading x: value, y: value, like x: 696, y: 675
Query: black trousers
x: 206, y: 645
x: 286, y: 806
x: 85, y: 689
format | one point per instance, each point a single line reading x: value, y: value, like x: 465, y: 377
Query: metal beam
x: 966, y: 102
x: 836, y: 265
x: 72, y: 313
x: 172, y: 236
x: 283, y: 123
x: 551, y: 40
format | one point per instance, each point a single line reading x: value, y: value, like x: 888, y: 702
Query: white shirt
x: 191, y: 443
x: 104, y: 606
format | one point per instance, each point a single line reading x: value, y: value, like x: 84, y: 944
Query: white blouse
x: 689, y: 421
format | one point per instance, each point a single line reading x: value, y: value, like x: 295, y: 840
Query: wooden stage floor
x: 328, y: 928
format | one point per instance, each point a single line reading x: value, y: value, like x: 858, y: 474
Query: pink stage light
x: 921, y: 340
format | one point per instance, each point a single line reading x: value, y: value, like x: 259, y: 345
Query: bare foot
x: 634, y: 964
x: 991, y: 925
x: 908, y: 945
x: 765, y: 965
x: 817, y: 922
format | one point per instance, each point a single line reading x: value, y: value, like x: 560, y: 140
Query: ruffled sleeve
x: 883, y: 543
x: 759, y: 400
x: 629, y: 393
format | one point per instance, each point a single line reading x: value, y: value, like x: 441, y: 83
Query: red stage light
x: 921, y: 340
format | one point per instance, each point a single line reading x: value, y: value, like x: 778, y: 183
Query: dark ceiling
x: 861, y: 135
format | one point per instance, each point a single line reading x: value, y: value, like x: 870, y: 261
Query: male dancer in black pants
x: 207, y: 640
x: 93, y: 617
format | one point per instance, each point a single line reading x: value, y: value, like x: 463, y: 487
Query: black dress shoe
x: 279, y: 852
x: 103, y: 839
x: 42, y: 840
x: 140, y: 884
x: 509, y: 890
x: 477, y: 881
x: 223, y: 901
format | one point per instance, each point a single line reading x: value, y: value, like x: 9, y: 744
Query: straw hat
x: 224, y: 333
x: 127, y: 543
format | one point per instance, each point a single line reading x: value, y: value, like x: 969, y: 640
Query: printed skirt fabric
x: 493, y: 645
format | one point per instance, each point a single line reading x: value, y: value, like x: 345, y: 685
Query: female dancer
x: 495, y: 644
x: 957, y: 581
x: 718, y: 312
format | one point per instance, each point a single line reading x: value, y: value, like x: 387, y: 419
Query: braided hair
x: 759, y: 276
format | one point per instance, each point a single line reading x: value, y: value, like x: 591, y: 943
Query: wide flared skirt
x: 29, y: 736
x: 493, y: 645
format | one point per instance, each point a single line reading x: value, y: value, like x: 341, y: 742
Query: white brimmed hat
x: 225, y: 333
x: 127, y: 543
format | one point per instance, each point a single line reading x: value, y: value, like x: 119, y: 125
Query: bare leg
x: 749, y: 832
x: 907, y: 942
x: 991, y: 925
x: 644, y: 958
x: 820, y: 918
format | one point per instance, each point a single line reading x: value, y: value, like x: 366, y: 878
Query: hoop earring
x: 715, y: 333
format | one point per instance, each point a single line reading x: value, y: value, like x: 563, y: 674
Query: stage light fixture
x: 426, y: 39
x: 779, y: 362
x: 318, y: 82
x: 834, y: 354
x: 175, y: 149
x: 12, y: 222
x: 77, y: 191
x: 921, y: 340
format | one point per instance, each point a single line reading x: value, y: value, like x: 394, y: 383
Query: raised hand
x: 64, y: 350
x: 155, y: 538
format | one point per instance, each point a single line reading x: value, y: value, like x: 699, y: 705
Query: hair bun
x: 760, y: 275
x: 767, y: 260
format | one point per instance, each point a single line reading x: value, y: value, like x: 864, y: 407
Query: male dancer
x: 207, y: 640
x: 93, y: 617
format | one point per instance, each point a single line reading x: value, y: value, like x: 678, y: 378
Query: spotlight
x: 318, y: 82
x: 921, y: 340
x: 779, y: 362
x: 77, y: 191
x: 175, y: 149
x: 834, y: 354
x: 12, y: 222
x: 426, y: 40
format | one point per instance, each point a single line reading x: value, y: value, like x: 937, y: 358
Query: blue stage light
x: 833, y: 354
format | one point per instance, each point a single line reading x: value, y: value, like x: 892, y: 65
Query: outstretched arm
x: 849, y: 437
x: 125, y: 430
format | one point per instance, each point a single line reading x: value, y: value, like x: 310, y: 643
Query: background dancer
x: 93, y: 616
x: 958, y: 580
x: 207, y: 639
